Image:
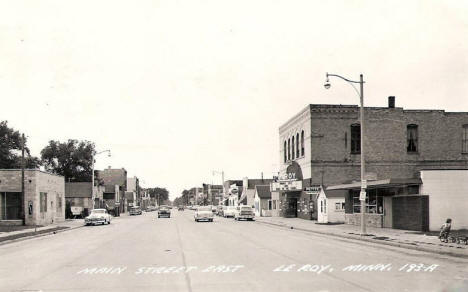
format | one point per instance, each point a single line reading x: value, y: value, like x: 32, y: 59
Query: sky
x: 179, y: 89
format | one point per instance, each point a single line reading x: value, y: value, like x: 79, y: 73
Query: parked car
x: 98, y: 216
x: 219, y: 210
x: 204, y: 213
x: 229, y: 211
x: 180, y: 208
x: 136, y: 210
x: 164, y: 211
x: 150, y: 209
x: 244, y: 212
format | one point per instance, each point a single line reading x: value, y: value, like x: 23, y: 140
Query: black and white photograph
x: 217, y: 145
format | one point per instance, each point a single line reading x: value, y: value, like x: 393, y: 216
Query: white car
x: 244, y: 212
x: 98, y: 216
x: 229, y: 211
x: 204, y: 213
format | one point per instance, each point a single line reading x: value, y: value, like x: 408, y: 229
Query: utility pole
x: 23, y: 211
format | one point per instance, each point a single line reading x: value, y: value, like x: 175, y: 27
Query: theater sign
x: 290, y: 181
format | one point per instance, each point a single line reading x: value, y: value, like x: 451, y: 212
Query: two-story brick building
x: 321, y: 146
x: 115, y: 183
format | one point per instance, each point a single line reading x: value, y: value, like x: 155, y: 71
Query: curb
x: 394, y: 244
x: 38, y: 235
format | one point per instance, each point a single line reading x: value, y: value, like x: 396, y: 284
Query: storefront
x: 289, y: 186
x: 390, y: 203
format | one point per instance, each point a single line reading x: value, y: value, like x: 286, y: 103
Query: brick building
x: 321, y: 146
x: 115, y: 183
x: 44, y: 201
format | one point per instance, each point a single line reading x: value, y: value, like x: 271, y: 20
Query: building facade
x: 44, y: 197
x: 115, y: 183
x: 78, y: 196
x: 320, y: 146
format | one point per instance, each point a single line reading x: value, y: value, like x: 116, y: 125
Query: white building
x: 448, y: 197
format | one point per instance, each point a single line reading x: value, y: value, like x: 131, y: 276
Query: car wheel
x: 108, y: 222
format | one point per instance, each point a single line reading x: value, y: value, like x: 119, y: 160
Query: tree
x: 161, y: 194
x: 10, y: 149
x: 72, y: 159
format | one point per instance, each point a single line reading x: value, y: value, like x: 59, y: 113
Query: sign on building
x: 286, y: 186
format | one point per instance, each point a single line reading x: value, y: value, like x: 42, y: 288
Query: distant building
x: 248, y: 190
x: 133, y: 187
x: 262, y: 201
x: 44, y: 201
x: 115, y: 183
x: 79, y: 196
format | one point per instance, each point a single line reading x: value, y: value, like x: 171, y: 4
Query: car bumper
x: 204, y: 218
x: 245, y: 217
x: 94, y: 222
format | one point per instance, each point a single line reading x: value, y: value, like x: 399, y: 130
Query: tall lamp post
x: 362, y: 195
x: 92, y: 174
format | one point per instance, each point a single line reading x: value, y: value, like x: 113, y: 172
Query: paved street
x: 143, y: 253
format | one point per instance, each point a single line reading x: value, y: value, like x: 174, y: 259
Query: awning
x: 385, y: 183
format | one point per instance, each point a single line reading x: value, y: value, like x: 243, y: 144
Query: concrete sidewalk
x: 393, y: 237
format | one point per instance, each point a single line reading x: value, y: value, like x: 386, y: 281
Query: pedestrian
x: 445, y: 228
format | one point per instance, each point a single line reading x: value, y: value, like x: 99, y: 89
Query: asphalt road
x: 143, y: 253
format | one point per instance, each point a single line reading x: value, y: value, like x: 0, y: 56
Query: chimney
x: 391, y: 102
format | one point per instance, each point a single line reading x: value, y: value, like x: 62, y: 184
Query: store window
x: 355, y: 139
x: 270, y: 205
x: 339, y: 206
x: 374, y: 202
x: 302, y: 143
x: 465, y: 139
x: 412, y: 138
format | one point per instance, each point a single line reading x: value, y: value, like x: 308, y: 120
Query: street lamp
x: 362, y: 195
x: 92, y: 174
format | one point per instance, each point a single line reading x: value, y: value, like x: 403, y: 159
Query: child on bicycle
x: 445, y: 228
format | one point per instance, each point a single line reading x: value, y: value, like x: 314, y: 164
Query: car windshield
x: 246, y: 208
x: 204, y: 208
x: 98, y: 211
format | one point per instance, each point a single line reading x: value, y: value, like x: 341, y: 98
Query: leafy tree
x: 161, y: 194
x: 72, y: 159
x: 10, y: 149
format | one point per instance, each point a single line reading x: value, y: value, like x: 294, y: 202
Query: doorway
x: 291, y: 211
x: 388, y: 214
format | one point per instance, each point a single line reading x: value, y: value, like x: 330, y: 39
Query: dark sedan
x: 164, y: 212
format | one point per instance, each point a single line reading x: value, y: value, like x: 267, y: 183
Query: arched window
x: 465, y: 139
x: 302, y: 143
x: 355, y: 139
x: 284, y: 150
x: 289, y: 149
x: 292, y: 148
x: 412, y: 138
x: 297, y: 145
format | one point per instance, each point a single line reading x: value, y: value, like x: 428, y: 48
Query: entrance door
x: 388, y: 216
x: 292, y: 207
